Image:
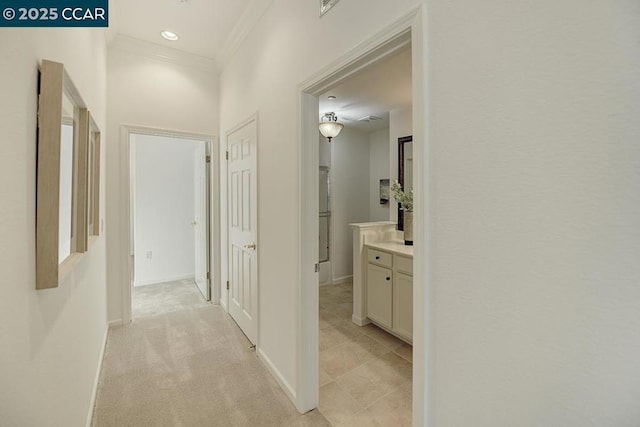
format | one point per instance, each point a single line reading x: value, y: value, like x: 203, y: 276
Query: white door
x: 201, y: 220
x: 242, y: 219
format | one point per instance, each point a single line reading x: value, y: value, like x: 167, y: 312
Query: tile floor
x: 365, y: 373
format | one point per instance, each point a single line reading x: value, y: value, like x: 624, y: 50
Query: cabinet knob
x: 388, y: 278
x: 377, y: 257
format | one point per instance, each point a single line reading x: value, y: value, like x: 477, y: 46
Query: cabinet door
x: 379, y: 295
x: 403, y: 305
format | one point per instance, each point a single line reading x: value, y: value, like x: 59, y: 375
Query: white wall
x: 534, y: 111
x: 349, y: 196
x: 176, y: 91
x: 533, y: 187
x: 289, y: 44
x: 51, y: 340
x: 379, y: 148
x: 164, y: 238
x: 400, y: 124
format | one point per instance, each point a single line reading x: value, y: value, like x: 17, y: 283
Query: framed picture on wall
x: 384, y: 191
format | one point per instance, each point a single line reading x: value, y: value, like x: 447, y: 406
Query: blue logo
x: 50, y: 13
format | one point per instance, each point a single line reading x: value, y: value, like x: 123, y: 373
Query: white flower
x: 405, y: 199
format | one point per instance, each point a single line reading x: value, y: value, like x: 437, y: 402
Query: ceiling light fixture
x: 331, y: 97
x: 330, y: 128
x: 169, y: 35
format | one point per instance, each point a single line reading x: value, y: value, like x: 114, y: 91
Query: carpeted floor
x: 188, y: 366
x: 164, y: 298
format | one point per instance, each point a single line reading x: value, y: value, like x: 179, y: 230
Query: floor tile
x: 337, y: 405
x: 405, y: 351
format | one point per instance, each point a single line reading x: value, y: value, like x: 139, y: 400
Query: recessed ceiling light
x: 169, y: 35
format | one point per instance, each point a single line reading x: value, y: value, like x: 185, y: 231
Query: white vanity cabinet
x: 389, y: 287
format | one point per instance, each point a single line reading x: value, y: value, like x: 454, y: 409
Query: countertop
x: 397, y: 247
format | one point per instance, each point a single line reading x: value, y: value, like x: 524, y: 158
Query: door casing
x: 411, y: 26
x: 126, y: 246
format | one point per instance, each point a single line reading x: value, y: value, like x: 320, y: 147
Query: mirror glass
x: 408, y: 166
x: 65, y: 225
x: 90, y: 187
x: 405, y: 170
x: 325, y: 214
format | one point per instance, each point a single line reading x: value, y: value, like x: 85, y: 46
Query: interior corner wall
x: 51, y: 339
x: 164, y: 208
x: 400, y: 125
x: 149, y: 91
x: 349, y: 197
x: 378, y: 169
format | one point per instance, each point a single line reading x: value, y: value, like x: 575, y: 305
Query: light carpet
x: 189, y: 367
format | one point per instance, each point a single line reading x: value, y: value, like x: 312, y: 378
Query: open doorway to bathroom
x: 365, y: 359
x: 169, y: 223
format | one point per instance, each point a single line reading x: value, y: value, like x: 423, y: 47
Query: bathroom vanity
x: 382, y: 279
x: 389, y: 287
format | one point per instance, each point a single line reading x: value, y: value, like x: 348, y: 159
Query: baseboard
x: 164, y: 280
x: 284, y: 385
x: 117, y: 322
x: 223, y: 304
x: 344, y: 279
x: 360, y: 321
x: 96, y: 381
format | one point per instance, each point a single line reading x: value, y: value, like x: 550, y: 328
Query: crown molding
x: 161, y: 53
x: 241, y: 30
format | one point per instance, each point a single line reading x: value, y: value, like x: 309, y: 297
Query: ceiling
x: 374, y: 91
x: 204, y: 26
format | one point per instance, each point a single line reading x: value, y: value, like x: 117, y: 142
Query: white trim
x: 343, y: 279
x: 125, y: 209
x: 241, y: 30
x: 161, y: 53
x: 360, y: 321
x: 308, y: 292
x: 378, y: 47
x: 286, y: 387
x: 96, y: 381
x: 116, y: 322
x: 164, y: 280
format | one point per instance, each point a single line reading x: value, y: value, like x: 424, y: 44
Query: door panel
x: 200, y: 221
x: 242, y: 199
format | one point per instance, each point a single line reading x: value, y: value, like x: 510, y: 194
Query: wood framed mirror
x: 63, y: 124
x: 405, y: 170
x: 93, y: 183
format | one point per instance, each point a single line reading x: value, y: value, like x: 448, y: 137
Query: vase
x: 408, y: 227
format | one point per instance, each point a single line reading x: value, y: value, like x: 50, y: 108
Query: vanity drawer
x: 404, y: 264
x: 379, y: 257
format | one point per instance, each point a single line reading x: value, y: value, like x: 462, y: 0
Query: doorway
x: 375, y: 49
x: 363, y: 367
x: 171, y: 222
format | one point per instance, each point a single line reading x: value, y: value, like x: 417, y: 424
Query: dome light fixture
x: 169, y: 35
x: 330, y: 128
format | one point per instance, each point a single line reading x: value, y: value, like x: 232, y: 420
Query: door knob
x: 250, y: 246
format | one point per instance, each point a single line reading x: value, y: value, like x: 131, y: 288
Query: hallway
x: 188, y: 367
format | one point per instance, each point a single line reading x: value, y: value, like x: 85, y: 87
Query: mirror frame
x: 94, y: 179
x: 401, y: 141
x: 54, y: 84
